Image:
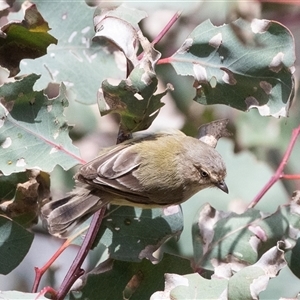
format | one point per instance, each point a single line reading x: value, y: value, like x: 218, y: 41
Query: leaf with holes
x: 132, y: 234
x: 76, y: 60
x: 246, y: 283
x: 118, y: 26
x: 244, y: 65
x: 240, y: 239
x: 33, y: 129
x: 26, y: 39
x: 128, y: 280
x: 134, y: 99
x: 137, y: 113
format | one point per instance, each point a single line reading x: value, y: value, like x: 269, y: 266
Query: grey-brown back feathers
x: 153, y: 171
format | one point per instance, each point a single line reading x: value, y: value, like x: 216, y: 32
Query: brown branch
x: 75, y: 270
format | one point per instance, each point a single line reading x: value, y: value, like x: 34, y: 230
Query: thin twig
x: 75, y: 270
x: 166, y: 28
x: 279, y: 172
x: 164, y: 31
x: 46, y: 290
x: 290, y: 176
x: 39, y: 272
x: 165, y: 60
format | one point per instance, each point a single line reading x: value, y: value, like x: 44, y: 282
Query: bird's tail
x: 62, y: 216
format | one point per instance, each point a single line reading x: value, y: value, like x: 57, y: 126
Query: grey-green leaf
x: 76, y: 60
x: 132, y: 234
x: 15, y: 242
x: 241, y: 64
x: 33, y: 129
x: 128, y: 280
x: 240, y: 238
x: 245, y: 283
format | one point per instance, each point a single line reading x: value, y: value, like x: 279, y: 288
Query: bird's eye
x: 203, y: 173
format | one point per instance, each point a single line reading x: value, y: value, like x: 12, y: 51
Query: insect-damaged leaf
x: 33, y: 130
x: 134, y: 98
x: 118, y: 26
x: 236, y: 240
x: 244, y: 65
x: 23, y: 206
x: 26, y: 39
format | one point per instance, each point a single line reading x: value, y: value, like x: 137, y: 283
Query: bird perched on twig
x: 152, y: 171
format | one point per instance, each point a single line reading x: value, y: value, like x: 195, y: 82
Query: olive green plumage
x: 152, y: 171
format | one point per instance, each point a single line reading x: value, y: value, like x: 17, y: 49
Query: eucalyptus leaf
x: 249, y: 282
x: 241, y: 239
x: 246, y: 283
x: 76, y: 60
x: 33, y: 129
x: 119, y: 26
x: 24, y: 39
x: 15, y: 242
x: 241, y: 64
x: 191, y: 286
x: 130, y: 280
x: 132, y: 234
x: 136, y: 114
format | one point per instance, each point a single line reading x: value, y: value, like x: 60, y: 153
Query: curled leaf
x: 211, y: 132
x: 134, y: 98
x: 118, y: 26
x: 128, y: 280
x: 228, y: 242
x: 29, y: 195
x: 244, y: 284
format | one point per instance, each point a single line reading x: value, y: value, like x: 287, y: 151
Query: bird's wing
x: 113, y: 171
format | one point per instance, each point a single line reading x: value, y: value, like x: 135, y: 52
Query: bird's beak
x: 222, y: 186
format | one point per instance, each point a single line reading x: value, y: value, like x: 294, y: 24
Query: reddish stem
x: 290, y: 176
x: 166, y: 28
x: 75, y: 270
x: 166, y: 60
x: 39, y: 272
x: 279, y: 172
x: 45, y: 290
x: 70, y: 154
x: 164, y: 31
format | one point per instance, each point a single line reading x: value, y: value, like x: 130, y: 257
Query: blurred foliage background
x: 251, y: 155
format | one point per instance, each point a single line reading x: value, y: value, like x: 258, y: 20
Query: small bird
x: 156, y: 170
